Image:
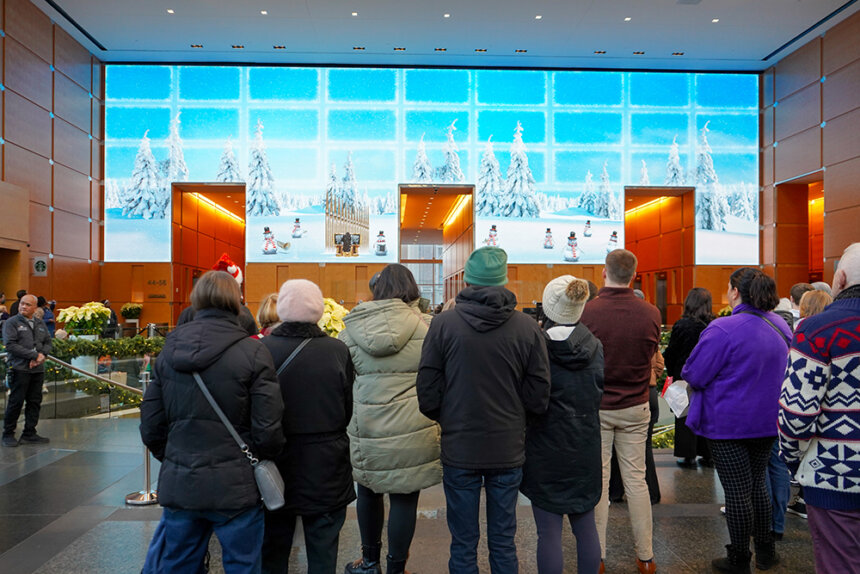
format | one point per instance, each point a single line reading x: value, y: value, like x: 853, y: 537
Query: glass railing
x: 87, y: 387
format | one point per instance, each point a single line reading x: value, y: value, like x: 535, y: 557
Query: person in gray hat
x: 483, y: 366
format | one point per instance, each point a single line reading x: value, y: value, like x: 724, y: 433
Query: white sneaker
x: 722, y: 510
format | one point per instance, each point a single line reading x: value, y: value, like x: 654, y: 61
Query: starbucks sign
x: 39, y: 267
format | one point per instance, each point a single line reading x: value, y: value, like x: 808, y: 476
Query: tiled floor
x: 62, y: 511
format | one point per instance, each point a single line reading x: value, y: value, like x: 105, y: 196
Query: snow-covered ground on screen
x: 310, y: 246
x: 135, y: 238
x: 523, y: 239
x: 738, y: 245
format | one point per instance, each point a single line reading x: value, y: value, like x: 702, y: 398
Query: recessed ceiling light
x: 196, y: 45
x: 279, y: 47
x: 264, y: 12
x: 600, y: 51
x: 399, y: 49
x: 446, y: 15
x: 628, y: 19
x: 677, y: 53
x: 228, y: 196
x: 538, y: 17
x: 520, y: 51
x: 480, y: 49
x: 638, y: 53
x: 441, y: 49
x: 170, y: 11
x: 355, y: 13
x: 234, y: 201
x: 358, y: 47
x: 715, y: 20
x: 238, y: 46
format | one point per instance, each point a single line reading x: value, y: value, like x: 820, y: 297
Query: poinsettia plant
x: 332, y: 319
x: 131, y: 310
x: 88, y: 319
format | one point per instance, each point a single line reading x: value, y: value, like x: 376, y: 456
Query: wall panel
x: 840, y: 230
x: 798, y: 112
x: 840, y: 46
x: 842, y: 137
x: 72, y: 102
x: 27, y: 73
x: 798, y: 69
x: 27, y: 124
x: 798, y: 155
x: 72, y: 59
x: 71, y: 146
x: 29, y: 26
x: 71, y: 235
x: 842, y: 186
x: 71, y: 191
x: 28, y: 170
x: 839, y: 91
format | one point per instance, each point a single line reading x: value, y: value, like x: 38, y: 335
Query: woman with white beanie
x: 315, y: 375
x: 562, y: 474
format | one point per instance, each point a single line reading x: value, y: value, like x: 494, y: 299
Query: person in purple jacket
x: 736, y: 372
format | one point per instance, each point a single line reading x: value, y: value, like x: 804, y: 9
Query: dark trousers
x: 550, y: 558
x: 322, y: 534
x: 616, y: 485
x: 182, y: 538
x: 687, y: 443
x: 25, y: 390
x: 370, y: 508
x: 463, y: 500
x: 742, y: 468
x: 835, y: 540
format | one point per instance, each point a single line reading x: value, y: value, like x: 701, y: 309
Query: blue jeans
x: 463, y: 500
x: 182, y: 538
x: 778, y: 487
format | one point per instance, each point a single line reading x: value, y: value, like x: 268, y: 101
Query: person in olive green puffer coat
x: 394, y: 448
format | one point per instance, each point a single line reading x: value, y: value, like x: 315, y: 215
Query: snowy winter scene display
x: 321, y: 152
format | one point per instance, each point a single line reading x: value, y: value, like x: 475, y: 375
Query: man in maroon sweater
x: 629, y: 329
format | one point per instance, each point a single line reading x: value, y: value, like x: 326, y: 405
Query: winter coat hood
x: 485, y: 308
x: 197, y: 344
x: 382, y: 328
x: 576, y: 352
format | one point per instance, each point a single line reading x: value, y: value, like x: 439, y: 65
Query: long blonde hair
x: 813, y: 303
x: 267, y: 314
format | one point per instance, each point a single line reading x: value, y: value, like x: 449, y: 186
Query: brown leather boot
x: 649, y: 567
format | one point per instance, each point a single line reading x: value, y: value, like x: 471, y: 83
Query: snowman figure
x: 587, y: 231
x: 547, y: 240
x: 493, y: 239
x: 571, y: 250
x: 613, y: 242
x: 297, y: 229
x: 269, y: 245
x: 380, y: 248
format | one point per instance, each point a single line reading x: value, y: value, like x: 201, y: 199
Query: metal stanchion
x: 150, y: 330
x: 147, y: 496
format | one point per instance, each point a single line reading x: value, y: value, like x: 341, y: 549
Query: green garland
x: 118, y: 396
x: 125, y: 348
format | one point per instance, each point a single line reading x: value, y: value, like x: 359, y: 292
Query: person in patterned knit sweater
x: 819, y: 420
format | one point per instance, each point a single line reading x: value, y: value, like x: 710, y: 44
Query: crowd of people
x: 483, y: 397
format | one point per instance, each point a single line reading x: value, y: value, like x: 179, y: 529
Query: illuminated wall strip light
x: 459, y: 205
x: 402, y: 207
x: 645, y: 205
x: 218, y: 207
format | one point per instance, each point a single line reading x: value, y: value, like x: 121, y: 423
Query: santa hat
x: 228, y: 265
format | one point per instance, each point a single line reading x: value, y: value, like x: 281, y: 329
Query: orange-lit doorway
x: 208, y: 220
x: 798, y: 234
x: 659, y: 227
x: 436, y: 236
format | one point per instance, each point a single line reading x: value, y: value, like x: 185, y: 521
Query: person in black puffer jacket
x: 563, y: 470
x: 206, y: 483
x: 685, y: 334
x: 316, y: 386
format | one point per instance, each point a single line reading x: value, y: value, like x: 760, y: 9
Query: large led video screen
x: 322, y: 151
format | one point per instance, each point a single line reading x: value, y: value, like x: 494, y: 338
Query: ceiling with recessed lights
x: 631, y: 34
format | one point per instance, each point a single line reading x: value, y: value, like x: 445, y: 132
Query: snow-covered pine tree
x: 332, y: 188
x: 228, y: 171
x: 490, y: 186
x: 260, y: 200
x: 176, y: 168
x: 674, y: 171
x: 643, y: 174
x: 145, y: 196
x: 604, y: 195
x: 450, y: 172
x: 742, y: 201
x: 711, y: 204
x: 422, y: 171
x: 519, y: 198
x: 588, y: 200
x: 349, y: 188
x: 113, y: 198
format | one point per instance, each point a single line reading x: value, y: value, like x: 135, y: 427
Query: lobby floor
x: 62, y: 511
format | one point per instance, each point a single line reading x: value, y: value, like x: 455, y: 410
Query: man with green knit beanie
x: 484, y: 365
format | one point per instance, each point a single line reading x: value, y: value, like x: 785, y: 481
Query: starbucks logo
x: 40, y: 266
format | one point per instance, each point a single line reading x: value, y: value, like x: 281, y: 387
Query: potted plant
x: 131, y: 310
x: 85, y: 322
x: 332, y: 319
